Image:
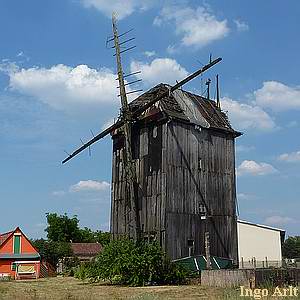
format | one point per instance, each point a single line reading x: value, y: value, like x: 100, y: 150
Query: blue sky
x: 57, y: 82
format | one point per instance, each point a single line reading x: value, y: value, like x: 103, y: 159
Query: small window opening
x: 154, y: 132
x: 202, y: 211
x: 191, y: 245
x: 200, y: 164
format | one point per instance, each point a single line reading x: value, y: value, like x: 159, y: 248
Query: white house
x: 259, y: 245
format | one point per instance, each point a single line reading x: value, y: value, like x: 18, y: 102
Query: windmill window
x: 190, y: 243
x: 200, y: 163
x: 202, y: 211
x: 154, y: 133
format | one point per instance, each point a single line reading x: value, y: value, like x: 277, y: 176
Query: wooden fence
x: 250, y: 278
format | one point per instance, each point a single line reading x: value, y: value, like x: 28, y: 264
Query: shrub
x: 130, y: 263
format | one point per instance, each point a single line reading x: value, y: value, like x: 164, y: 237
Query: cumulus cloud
x: 63, y: 87
x: 164, y: 70
x: 122, y: 8
x: 279, y: 220
x: 241, y: 25
x: 244, y: 116
x: 197, y: 27
x: 150, y: 53
x: 89, y: 186
x: 278, y: 96
x: 290, y: 157
x: 251, y: 167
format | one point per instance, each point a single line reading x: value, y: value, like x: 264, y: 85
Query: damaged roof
x: 188, y: 107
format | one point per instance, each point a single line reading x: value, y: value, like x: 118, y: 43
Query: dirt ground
x: 73, y: 289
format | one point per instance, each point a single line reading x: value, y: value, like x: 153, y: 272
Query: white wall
x: 258, y: 242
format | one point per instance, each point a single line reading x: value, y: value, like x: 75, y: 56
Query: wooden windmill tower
x: 173, y: 172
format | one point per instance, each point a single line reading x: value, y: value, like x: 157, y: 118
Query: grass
x: 74, y: 289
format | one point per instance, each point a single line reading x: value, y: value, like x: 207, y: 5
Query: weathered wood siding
x: 201, y: 171
x: 148, y: 153
x: 178, y: 169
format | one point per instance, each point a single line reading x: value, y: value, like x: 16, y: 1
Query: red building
x: 18, y: 258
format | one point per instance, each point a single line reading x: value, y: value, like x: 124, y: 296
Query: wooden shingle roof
x: 187, y: 107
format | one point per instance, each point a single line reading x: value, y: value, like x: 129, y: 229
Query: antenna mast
x: 218, y: 93
x: 208, y: 87
x: 128, y: 161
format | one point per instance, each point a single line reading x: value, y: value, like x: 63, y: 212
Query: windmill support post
x: 127, y: 127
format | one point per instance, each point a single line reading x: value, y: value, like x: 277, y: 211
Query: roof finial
x: 208, y: 82
x: 218, y: 93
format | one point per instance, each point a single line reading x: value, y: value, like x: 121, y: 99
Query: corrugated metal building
x: 259, y: 246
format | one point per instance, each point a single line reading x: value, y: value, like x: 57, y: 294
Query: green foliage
x: 52, y: 251
x: 89, y: 236
x: 62, y: 228
x: 137, y: 264
x: 60, y: 231
x: 291, y: 247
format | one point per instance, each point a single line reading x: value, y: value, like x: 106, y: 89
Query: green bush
x: 130, y: 263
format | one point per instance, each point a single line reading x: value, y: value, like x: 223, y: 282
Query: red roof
x: 86, y: 249
x: 5, y: 236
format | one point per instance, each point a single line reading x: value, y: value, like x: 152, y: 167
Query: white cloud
x: 244, y: 116
x: 197, y: 27
x: 290, y: 157
x: 242, y: 196
x: 279, y: 220
x: 250, y: 167
x: 122, y: 8
x: 164, y: 70
x: 241, y: 25
x: 63, y: 87
x: 89, y: 186
x: 173, y: 49
x: 150, y: 53
x: 278, y: 96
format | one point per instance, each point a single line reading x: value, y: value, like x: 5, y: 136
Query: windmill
x: 128, y: 118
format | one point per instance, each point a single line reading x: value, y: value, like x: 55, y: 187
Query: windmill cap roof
x: 187, y: 107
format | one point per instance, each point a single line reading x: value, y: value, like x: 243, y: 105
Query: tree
x: 62, y: 228
x: 89, y: 236
x: 52, y: 251
x: 291, y: 247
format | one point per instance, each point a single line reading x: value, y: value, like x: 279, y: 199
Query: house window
x: 13, y: 266
x: 17, y: 244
